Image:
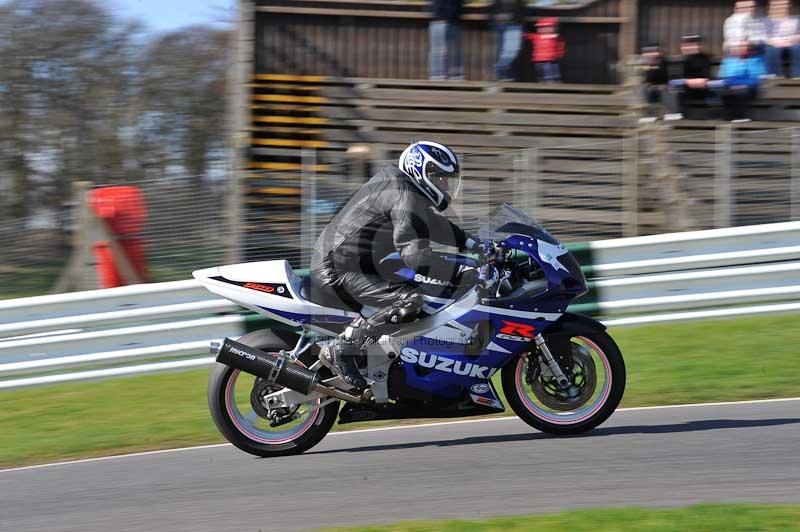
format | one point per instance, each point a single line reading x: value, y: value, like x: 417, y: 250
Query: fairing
x: 465, y: 338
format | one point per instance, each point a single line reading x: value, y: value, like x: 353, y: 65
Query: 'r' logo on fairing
x: 518, y: 329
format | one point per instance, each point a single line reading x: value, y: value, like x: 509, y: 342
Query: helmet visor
x: 454, y: 182
x: 449, y: 183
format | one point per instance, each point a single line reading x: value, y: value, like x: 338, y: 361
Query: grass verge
x: 702, y: 518
x: 724, y: 360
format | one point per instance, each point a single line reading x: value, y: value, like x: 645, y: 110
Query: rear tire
x: 522, y: 397
x: 230, y: 422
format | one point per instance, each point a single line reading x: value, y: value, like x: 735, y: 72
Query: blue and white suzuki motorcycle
x: 273, y: 393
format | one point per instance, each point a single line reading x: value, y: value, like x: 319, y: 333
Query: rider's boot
x: 346, y: 347
x: 363, y: 332
x: 343, y: 358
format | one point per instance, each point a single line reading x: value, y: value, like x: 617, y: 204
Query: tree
x: 183, y: 99
x: 85, y: 95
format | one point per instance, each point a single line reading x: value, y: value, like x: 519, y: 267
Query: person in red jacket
x: 548, y: 49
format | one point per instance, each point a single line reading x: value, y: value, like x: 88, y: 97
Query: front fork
x: 552, y: 364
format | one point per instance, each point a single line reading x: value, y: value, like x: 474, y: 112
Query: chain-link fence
x: 655, y: 180
x: 580, y: 192
x: 188, y: 226
x: 576, y: 191
x: 284, y: 212
x: 33, y: 252
x: 735, y: 177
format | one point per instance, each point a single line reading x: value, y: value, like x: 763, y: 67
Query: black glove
x: 467, y: 276
x: 485, y: 249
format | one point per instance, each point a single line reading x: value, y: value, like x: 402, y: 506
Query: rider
x: 392, y: 212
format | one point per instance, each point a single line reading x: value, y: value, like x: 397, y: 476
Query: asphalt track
x: 654, y: 457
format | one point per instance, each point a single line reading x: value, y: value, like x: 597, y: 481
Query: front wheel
x: 595, y: 367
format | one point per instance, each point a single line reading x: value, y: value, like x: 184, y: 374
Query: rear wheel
x: 596, y: 369
x: 236, y: 402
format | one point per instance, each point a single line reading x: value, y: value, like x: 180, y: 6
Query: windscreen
x: 507, y: 220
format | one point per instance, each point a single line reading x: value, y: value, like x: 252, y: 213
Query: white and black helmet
x: 434, y: 169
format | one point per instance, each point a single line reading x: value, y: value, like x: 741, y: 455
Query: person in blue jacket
x: 740, y: 76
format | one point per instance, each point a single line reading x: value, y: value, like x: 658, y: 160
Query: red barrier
x: 122, y: 209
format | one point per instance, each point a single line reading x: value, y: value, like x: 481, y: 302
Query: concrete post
x: 723, y: 211
x: 308, y: 207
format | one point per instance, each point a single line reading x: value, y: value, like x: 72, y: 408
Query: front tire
x: 598, y: 364
x: 230, y: 392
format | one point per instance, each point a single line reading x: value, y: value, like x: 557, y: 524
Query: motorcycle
x: 272, y: 392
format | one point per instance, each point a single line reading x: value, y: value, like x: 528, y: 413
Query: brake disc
x: 583, y: 376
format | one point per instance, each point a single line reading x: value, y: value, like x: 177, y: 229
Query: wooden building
x: 389, y: 38
x: 316, y: 78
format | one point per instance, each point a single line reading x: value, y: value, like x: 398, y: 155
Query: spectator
x: 507, y: 17
x: 740, y: 74
x: 445, y: 40
x: 782, y: 39
x: 656, y: 76
x: 548, y: 49
x: 741, y: 25
x: 693, y: 85
x: 758, y: 37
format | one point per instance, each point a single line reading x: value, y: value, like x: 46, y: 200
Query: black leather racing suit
x: 387, y: 214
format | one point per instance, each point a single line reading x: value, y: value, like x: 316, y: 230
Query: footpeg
x: 326, y: 357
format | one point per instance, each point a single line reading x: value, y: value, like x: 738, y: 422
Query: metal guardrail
x: 697, y: 249
x: 98, y: 301
x: 664, y: 278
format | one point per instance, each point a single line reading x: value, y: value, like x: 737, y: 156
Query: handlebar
x: 495, y: 252
x: 490, y: 264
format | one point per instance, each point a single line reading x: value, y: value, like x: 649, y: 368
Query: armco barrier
x: 672, y: 252
x: 131, y: 330
x: 16, y: 311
